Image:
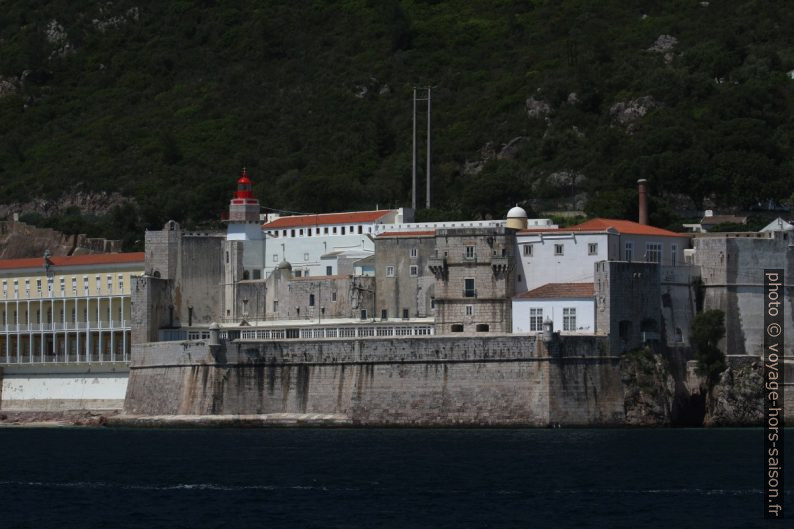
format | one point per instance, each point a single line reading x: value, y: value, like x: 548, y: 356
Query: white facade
x: 568, y: 315
x: 569, y: 256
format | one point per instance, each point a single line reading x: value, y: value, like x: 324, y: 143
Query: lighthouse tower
x: 243, y: 220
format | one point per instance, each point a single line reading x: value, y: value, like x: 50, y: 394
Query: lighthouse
x: 243, y: 223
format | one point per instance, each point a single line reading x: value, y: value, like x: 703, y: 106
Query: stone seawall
x: 504, y: 380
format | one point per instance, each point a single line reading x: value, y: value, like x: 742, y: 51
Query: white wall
x: 552, y: 309
x: 63, y: 391
x: 304, y: 253
x: 576, y: 265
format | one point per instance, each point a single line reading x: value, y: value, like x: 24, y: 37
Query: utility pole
x: 413, y: 152
x: 413, y: 160
x: 427, y: 174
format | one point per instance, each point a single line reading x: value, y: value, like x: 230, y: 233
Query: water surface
x: 77, y: 477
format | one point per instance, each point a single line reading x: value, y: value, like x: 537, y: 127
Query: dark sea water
x: 321, y: 478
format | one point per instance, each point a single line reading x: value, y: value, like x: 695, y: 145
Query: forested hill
x: 164, y: 102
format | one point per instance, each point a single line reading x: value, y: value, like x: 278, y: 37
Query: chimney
x: 642, y: 190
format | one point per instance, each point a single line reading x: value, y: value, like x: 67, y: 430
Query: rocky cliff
x: 20, y: 240
x: 649, y: 388
x: 737, y: 399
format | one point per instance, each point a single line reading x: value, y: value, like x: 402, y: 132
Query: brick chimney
x: 642, y: 190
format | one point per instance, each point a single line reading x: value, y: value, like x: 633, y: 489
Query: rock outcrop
x: 19, y: 240
x: 737, y: 399
x: 649, y: 388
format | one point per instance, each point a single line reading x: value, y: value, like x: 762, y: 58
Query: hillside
x: 164, y: 102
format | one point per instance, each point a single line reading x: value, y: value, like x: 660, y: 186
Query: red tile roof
x: 559, y: 290
x: 626, y: 227
x: 320, y: 219
x: 74, y: 260
x: 426, y: 233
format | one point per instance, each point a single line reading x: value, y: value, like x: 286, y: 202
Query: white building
x: 308, y: 242
x: 569, y: 306
x: 568, y: 255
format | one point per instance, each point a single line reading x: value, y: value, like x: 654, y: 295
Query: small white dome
x: 517, y: 213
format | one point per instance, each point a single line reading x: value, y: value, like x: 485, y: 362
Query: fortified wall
x: 498, y: 380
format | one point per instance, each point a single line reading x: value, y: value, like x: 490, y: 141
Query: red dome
x: 244, y: 187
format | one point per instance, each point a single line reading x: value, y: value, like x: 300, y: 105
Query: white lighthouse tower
x: 243, y: 223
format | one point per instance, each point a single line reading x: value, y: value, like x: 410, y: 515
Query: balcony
x: 438, y: 267
x: 501, y: 265
x: 469, y: 292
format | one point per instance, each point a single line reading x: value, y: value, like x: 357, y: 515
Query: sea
x: 384, y: 478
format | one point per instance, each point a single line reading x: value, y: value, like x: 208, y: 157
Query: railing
x: 119, y: 325
x: 469, y: 292
x: 322, y: 333
x: 80, y: 357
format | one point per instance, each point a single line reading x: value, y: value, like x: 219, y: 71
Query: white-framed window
x: 673, y: 254
x: 121, y: 283
x: 592, y: 248
x: 629, y: 251
x: 85, y: 283
x: 27, y: 287
x: 527, y: 250
x: 414, y: 253
x: 569, y: 319
x: 389, y: 271
x: 536, y: 319
x: 333, y: 296
x: 414, y: 270
x: 98, y: 284
x: 110, y: 284
x: 5, y: 288
x: 74, y: 285
x: 63, y: 285
x: 653, y: 252
x: 470, y: 252
x: 469, y: 310
x: 49, y: 284
x: 275, y: 257
x: 559, y: 249
x: 38, y: 286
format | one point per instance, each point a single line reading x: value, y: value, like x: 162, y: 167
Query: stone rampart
x: 413, y: 381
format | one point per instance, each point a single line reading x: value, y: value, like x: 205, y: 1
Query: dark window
x: 329, y: 270
x: 405, y: 314
x: 384, y: 314
x: 482, y: 327
x: 458, y: 327
x: 363, y: 314
x: 311, y: 300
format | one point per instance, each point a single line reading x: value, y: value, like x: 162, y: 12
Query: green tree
x: 708, y: 328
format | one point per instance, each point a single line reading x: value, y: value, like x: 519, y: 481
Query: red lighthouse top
x: 244, y: 187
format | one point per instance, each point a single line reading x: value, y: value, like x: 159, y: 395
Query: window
x: 536, y: 319
x: 469, y: 252
x: 653, y: 252
x: 414, y: 253
x: 98, y: 284
x: 389, y: 271
x: 300, y: 231
x: 569, y: 319
x: 110, y: 284
x: 306, y: 256
x: 5, y: 288
x: 245, y: 307
x: 468, y: 288
x: 306, y: 273
x: 325, y: 230
x: 292, y: 233
x: 629, y: 251
x: 275, y: 305
x: 334, y: 230
x: 360, y: 229
x: 74, y: 285
x: 121, y: 283
x: 414, y: 270
x: 311, y: 300
x: 333, y: 296
x: 329, y: 270
x: 363, y: 314
x: 27, y: 287
x: 384, y: 314
x: 85, y: 283
x: 405, y: 314
x: 527, y: 250
x: 343, y: 230
x: 297, y: 273
x: 559, y: 249
x: 284, y: 233
x: 63, y: 285
x: 592, y: 248
x: 457, y: 327
x: 38, y: 286
x: 469, y: 310
x: 275, y: 257
x: 673, y: 254
x: 49, y: 285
